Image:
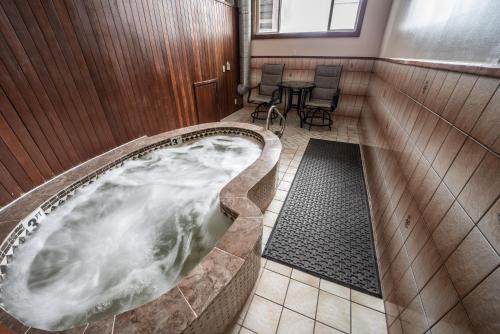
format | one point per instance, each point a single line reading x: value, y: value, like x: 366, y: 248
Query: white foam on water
x: 128, y: 237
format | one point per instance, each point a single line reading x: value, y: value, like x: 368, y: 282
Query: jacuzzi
x: 204, y: 299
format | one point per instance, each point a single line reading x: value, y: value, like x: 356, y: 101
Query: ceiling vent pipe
x: 245, y: 23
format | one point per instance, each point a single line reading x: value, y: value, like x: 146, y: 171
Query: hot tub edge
x: 210, y: 297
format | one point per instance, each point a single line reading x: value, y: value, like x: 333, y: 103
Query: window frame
x: 328, y: 33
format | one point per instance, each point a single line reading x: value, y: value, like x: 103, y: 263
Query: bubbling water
x: 128, y: 237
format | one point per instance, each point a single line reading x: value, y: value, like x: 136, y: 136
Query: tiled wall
x: 431, y: 147
x: 354, y: 80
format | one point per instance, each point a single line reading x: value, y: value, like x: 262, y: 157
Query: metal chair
x: 322, y: 100
x: 269, y: 93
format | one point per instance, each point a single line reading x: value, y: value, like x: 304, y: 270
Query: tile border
x: 243, y: 199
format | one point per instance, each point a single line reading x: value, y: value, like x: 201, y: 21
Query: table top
x: 297, y: 84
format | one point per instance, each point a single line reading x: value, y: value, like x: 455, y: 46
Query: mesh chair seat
x: 317, y: 103
x: 260, y: 99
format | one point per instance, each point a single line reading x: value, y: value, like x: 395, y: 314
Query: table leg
x: 299, y: 106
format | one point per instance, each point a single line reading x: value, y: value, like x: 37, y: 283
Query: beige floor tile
x: 279, y: 268
x: 272, y: 286
x: 275, y: 206
x: 270, y: 218
x: 280, y: 195
x: 334, y: 311
x: 246, y: 331
x: 284, y: 185
x: 295, y: 323
x: 367, y: 321
x: 320, y: 328
x: 266, y: 232
x: 302, y: 298
x: 335, y: 289
x: 288, y: 177
x: 367, y: 300
x: 305, y: 278
x: 263, y: 316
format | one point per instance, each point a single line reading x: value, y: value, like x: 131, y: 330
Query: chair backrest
x: 272, y: 75
x: 327, y: 80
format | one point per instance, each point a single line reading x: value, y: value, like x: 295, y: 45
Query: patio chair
x: 322, y: 100
x: 269, y: 92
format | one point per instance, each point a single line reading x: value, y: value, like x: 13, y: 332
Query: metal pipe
x: 245, y: 27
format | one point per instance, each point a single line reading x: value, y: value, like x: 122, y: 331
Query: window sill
x: 307, y: 35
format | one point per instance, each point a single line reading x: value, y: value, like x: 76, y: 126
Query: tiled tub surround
x: 354, y: 80
x: 208, y: 299
x: 431, y: 143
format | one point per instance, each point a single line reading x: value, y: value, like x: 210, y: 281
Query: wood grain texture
x: 78, y: 78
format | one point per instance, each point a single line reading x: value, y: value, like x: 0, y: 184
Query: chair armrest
x: 335, y: 99
x: 276, y: 95
x: 250, y: 92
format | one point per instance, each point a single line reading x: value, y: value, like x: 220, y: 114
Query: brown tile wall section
x: 431, y: 145
x: 353, y: 83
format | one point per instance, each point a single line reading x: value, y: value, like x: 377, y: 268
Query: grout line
x: 190, y: 307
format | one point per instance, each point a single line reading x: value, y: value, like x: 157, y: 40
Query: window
x: 302, y: 18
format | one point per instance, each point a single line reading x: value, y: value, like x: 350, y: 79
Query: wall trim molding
x: 470, y: 68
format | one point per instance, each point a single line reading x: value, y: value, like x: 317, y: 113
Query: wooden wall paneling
x: 117, y: 55
x: 168, y: 67
x: 171, y: 80
x: 236, y: 55
x: 167, y: 108
x: 188, y: 56
x: 206, y: 101
x: 21, y: 143
x: 219, y: 49
x: 52, y: 44
x: 149, y: 78
x: 15, y: 151
x: 58, y: 98
x: 5, y: 197
x: 14, y: 178
x: 68, y: 46
x: 124, y: 32
x: 18, y: 81
x: 19, y: 115
x: 80, y: 77
x: 34, y: 69
x: 146, y: 68
x: 111, y: 66
x: 8, y: 183
x: 176, y: 47
x: 78, y: 25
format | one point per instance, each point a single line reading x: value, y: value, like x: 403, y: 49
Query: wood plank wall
x: 78, y: 78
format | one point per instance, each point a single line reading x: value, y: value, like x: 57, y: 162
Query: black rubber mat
x: 324, y: 226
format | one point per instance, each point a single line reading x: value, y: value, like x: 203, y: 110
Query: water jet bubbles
x: 126, y: 238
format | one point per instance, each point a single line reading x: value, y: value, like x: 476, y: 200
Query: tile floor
x: 289, y: 301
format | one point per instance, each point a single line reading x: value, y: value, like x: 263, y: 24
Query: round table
x: 296, y: 88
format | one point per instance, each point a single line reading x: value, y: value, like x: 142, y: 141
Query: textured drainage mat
x: 324, y: 226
